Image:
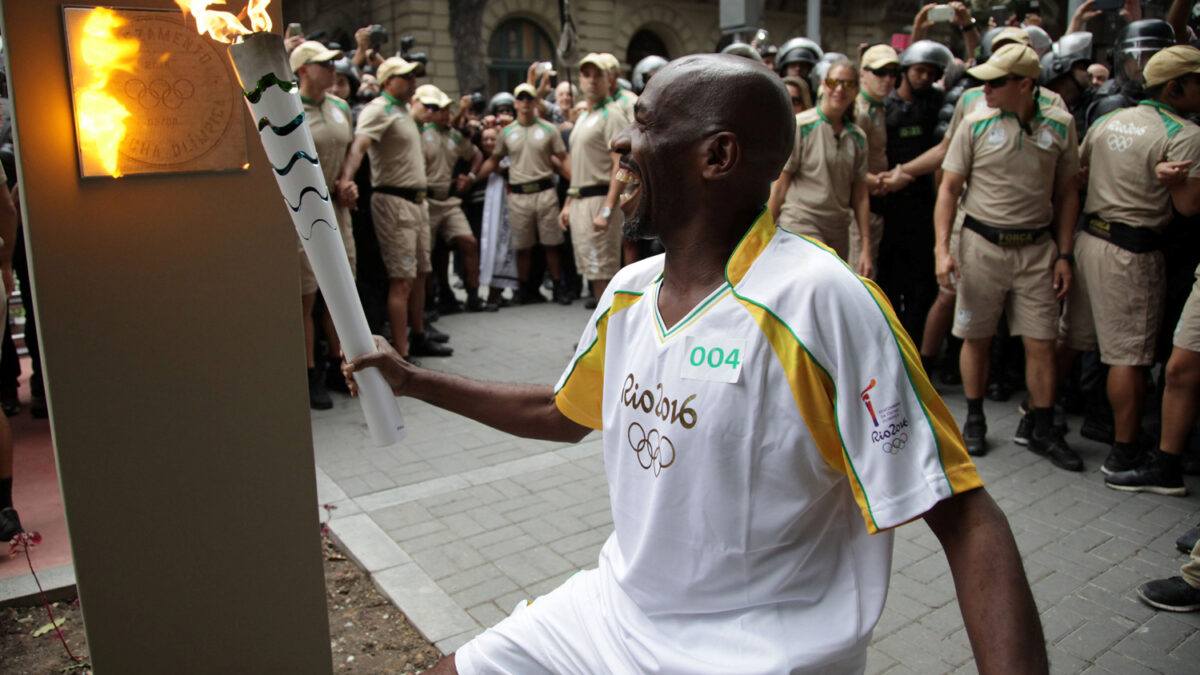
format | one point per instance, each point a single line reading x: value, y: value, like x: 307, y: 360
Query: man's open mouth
x: 631, y: 181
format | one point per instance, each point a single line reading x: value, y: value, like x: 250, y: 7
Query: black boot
x: 1160, y: 475
x: 318, y: 396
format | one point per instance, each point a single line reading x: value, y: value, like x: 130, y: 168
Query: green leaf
x: 49, y: 627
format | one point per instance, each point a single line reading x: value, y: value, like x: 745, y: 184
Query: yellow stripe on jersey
x: 753, y: 243
x: 815, y: 396
x: 581, y: 398
x: 952, y: 451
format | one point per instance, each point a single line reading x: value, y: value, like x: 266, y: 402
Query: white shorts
x: 589, y: 626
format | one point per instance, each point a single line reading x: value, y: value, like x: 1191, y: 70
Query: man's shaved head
x: 720, y: 92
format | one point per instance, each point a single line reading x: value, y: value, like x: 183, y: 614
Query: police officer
x: 906, y: 250
x: 1117, y: 299
x: 1021, y: 160
x: 644, y: 70
x: 797, y: 57
x: 879, y: 72
x: 1136, y: 43
x: 444, y: 146
x: 387, y: 133
x: 1064, y: 72
x: 591, y: 207
x: 532, y: 144
x: 328, y: 119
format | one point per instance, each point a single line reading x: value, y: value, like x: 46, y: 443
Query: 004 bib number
x: 713, y: 359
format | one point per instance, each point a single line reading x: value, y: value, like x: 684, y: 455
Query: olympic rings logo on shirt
x: 896, y: 444
x: 1119, y: 143
x: 160, y: 92
x: 655, y: 452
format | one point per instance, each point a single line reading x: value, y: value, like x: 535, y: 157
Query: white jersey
x: 752, y: 451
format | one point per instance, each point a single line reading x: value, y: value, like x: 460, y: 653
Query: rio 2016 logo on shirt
x: 655, y: 451
x: 889, y: 422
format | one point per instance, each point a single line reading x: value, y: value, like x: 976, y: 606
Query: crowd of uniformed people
x: 1027, y: 205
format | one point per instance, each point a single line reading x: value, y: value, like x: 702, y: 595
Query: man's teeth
x: 626, y: 176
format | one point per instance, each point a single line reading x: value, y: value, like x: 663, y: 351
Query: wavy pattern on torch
x: 299, y: 155
x: 313, y: 225
x: 305, y: 191
x: 283, y: 130
x: 266, y: 82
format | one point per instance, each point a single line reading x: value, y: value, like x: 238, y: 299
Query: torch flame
x: 101, y: 117
x: 225, y: 26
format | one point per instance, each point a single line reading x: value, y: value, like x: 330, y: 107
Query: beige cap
x: 611, y: 62
x: 1008, y: 60
x: 394, y: 66
x: 1010, y: 34
x: 1171, y: 63
x: 524, y: 88
x: 312, y: 52
x: 429, y: 94
x: 596, y: 59
x: 880, y: 56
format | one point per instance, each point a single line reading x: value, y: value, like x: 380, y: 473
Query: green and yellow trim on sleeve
x: 581, y: 397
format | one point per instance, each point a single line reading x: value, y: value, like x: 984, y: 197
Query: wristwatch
x: 606, y: 212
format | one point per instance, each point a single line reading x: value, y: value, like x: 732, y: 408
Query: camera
x: 478, y: 103
x: 378, y: 36
x: 406, y: 43
x: 941, y: 14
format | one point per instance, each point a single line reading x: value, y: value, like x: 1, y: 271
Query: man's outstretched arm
x: 526, y: 410
x: 993, y: 593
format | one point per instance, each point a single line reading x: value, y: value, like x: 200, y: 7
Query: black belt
x: 1135, y: 239
x: 414, y: 195
x: 535, y: 186
x: 589, y: 191
x: 1006, y: 237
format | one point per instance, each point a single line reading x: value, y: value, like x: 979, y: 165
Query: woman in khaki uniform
x: 823, y: 185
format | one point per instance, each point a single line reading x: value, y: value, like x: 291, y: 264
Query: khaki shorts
x: 597, y: 254
x: 447, y: 220
x: 402, y: 228
x: 835, y: 236
x: 1115, y: 303
x: 533, y: 218
x: 856, y: 240
x: 995, y: 280
x: 1187, y: 331
x: 308, y: 280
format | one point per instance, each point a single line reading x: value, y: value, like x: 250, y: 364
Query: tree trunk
x: 466, y: 24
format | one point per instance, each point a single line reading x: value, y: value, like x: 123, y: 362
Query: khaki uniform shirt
x: 871, y: 117
x: 443, y: 149
x: 530, y: 147
x: 972, y: 100
x: 591, y: 141
x: 824, y: 168
x: 625, y: 100
x: 332, y: 131
x: 1121, y: 150
x: 1011, y: 172
x: 396, y: 156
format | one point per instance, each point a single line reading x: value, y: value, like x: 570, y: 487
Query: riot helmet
x: 797, y: 50
x: 502, y: 100
x: 743, y: 50
x: 1039, y: 40
x: 1077, y: 46
x: 644, y: 69
x: 928, y: 52
x: 1136, y: 43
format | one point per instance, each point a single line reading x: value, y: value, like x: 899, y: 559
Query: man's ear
x: 722, y: 153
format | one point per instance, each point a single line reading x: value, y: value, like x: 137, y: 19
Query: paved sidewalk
x: 460, y: 522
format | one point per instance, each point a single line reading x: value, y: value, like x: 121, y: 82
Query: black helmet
x: 344, y: 66
x: 928, y: 52
x: 742, y: 49
x: 1054, y: 67
x: 1135, y: 44
x: 797, y: 50
x: 644, y: 69
x: 502, y: 99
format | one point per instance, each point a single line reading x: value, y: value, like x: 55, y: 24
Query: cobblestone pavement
x: 460, y: 522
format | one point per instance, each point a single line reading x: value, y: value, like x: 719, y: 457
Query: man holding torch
x: 753, y: 492
x: 387, y: 134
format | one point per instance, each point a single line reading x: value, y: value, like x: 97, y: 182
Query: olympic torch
x: 261, y: 63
